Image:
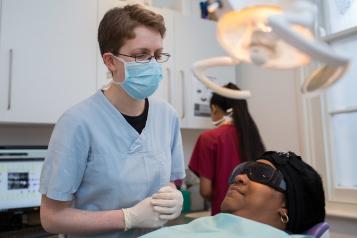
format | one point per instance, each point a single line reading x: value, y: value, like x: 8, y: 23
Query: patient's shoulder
x: 220, y: 225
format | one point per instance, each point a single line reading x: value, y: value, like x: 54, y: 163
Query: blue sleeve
x: 66, y: 159
x: 178, y: 163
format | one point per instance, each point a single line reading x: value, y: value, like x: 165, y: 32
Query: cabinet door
x: 104, y: 76
x: 195, y: 39
x: 48, y: 57
x: 165, y: 91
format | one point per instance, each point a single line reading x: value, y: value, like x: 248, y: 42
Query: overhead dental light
x: 214, y: 5
x: 273, y: 34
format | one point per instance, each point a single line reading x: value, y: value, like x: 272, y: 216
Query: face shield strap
x: 278, y: 182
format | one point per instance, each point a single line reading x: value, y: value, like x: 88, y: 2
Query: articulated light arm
x: 200, y: 66
x: 273, y: 37
x: 335, y: 64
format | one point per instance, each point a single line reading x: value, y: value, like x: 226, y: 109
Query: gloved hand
x: 168, y: 202
x: 142, y: 215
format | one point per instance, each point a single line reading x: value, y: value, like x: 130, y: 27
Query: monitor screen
x: 20, y: 170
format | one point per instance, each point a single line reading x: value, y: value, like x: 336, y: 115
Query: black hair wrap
x: 305, y: 200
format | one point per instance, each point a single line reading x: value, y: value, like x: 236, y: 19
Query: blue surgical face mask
x: 141, y: 79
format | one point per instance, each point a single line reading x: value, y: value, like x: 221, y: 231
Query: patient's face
x: 252, y: 200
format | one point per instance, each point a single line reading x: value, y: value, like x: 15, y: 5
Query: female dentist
x: 112, y: 157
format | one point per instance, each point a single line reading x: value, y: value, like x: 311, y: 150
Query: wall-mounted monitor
x: 20, y: 170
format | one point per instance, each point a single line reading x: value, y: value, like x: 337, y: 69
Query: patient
x: 276, y: 196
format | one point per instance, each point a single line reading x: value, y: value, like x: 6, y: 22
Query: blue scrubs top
x: 222, y: 225
x: 98, y: 160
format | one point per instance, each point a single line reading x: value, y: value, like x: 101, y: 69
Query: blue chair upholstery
x: 320, y: 230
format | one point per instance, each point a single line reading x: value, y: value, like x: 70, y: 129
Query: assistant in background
x: 217, y: 151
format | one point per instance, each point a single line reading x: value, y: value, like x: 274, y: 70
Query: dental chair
x: 320, y: 230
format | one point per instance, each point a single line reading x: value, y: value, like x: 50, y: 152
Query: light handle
x: 200, y: 66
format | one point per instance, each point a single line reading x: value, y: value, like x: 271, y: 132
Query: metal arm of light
x: 324, y: 76
x: 270, y: 37
x: 282, y: 26
x: 200, y: 66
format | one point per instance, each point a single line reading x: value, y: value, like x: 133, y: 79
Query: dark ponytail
x: 250, y: 142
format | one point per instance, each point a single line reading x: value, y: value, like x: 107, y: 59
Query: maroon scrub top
x: 215, y: 155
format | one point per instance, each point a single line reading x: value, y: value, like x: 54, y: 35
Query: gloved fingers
x: 161, y: 222
x: 169, y: 217
x: 166, y: 189
x: 153, y: 223
x: 165, y: 210
x: 163, y: 203
x: 156, y: 215
x: 145, y: 203
x: 155, y: 218
x: 165, y: 195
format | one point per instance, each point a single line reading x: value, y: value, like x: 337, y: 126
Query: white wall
x: 273, y: 106
x: 342, y: 227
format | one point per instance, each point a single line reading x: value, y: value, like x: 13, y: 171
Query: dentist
x: 113, y: 157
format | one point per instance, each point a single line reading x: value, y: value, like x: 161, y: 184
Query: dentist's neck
x: 123, y: 102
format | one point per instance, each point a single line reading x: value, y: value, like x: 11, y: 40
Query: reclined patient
x: 277, y: 196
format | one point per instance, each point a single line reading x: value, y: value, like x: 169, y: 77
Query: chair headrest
x: 318, y: 230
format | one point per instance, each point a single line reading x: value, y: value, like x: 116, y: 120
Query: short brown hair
x: 118, y: 25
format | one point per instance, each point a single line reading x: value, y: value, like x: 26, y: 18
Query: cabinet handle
x: 10, y: 80
x: 169, y: 92
x: 182, y: 73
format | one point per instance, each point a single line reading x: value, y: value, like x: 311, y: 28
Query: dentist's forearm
x: 60, y: 218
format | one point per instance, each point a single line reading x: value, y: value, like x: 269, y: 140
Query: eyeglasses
x: 146, y: 58
x: 260, y: 173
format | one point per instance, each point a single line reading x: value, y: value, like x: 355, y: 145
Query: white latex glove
x: 168, y: 202
x: 142, y: 215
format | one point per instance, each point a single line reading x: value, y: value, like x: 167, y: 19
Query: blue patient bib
x: 221, y: 225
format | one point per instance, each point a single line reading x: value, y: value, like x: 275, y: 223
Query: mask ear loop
x: 219, y: 122
x: 229, y: 111
x: 124, y: 64
x: 228, y: 116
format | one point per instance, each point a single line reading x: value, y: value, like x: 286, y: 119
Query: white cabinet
x: 195, y: 39
x: 166, y: 88
x: 47, y: 57
x: 50, y: 60
x: 103, y: 74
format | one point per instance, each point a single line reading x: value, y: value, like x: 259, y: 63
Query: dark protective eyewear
x: 260, y: 173
x: 146, y: 58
